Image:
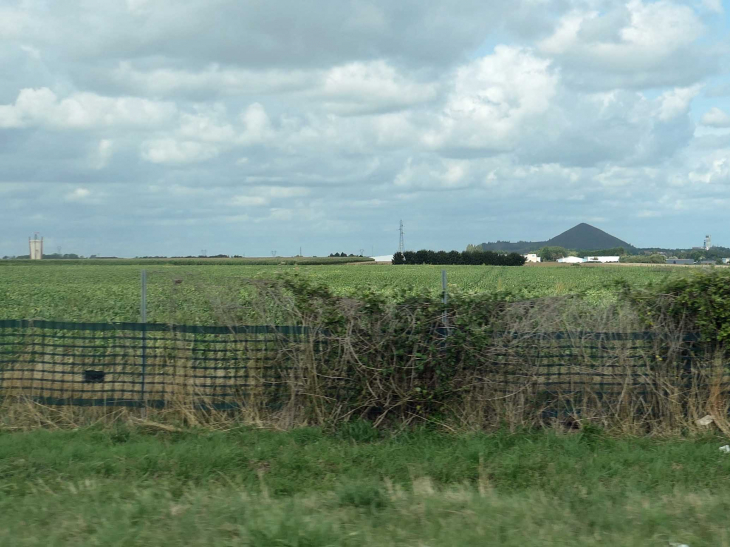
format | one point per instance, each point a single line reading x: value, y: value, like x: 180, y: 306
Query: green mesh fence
x: 135, y: 364
x: 224, y: 367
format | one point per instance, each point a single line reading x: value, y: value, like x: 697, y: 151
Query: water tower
x: 36, y: 247
x: 708, y: 243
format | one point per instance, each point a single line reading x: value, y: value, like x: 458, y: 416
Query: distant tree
x: 455, y: 257
x: 474, y: 248
x: 551, y: 254
x: 422, y: 257
x: 615, y: 251
x: 644, y: 259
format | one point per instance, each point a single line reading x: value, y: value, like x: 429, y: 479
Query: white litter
x: 707, y: 420
x: 725, y: 448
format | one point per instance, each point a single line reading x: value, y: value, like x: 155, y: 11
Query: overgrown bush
x: 697, y: 304
x: 482, y: 361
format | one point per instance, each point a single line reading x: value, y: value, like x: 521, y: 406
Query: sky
x: 159, y: 127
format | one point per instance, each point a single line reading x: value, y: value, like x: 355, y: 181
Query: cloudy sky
x: 152, y: 127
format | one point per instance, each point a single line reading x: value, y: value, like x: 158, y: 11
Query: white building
x: 601, y: 259
x: 532, y: 257
x: 726, y: 260
x: 571, y: 260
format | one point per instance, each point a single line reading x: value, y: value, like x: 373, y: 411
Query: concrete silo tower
x: 36, y: 247
x: 708, y: 243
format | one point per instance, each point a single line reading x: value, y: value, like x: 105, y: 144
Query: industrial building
x: 532, y: 257
x: 601, y: 259
x: 571, y: 260
x: 36, y: 247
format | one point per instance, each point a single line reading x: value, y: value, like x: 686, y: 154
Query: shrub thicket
x: 487, y: 360
x: 698, y: 304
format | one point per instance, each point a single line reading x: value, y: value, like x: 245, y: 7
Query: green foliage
x: 551, y: 254
x: 614, y: 251
x: 644, y: 259
x: 473, y: 258
x: 398, y: 360
x: 698, y: 303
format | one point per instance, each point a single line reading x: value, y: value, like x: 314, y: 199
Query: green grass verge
x: 358, y: 487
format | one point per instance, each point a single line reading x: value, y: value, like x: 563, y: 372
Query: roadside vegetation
x: 357, y: 486
x: 392, y: 424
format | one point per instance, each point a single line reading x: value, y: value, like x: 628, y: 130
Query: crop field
x: 194, y: 294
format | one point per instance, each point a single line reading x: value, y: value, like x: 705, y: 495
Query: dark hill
x: 585, y: 236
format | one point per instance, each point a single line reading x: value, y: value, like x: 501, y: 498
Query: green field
x: 111, y: 292
x: 359, y: 487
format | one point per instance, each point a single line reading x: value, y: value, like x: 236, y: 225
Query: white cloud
x: 213, y: 79
x: 444, y: 174
x: 104, y: 153
x: 82, y: 110
x: 205, y: 128
x: 716, y: 118
x: 714, y: 169
x: 79, y: 194
x: 676, y: 102
x: 139, y: 7
x: 332, y: 117
x: 32, y: 52
x: 282, y: 191
x: 247, y: 201
x: 493, y: 99
x: 257, y: 125
x: 359, y: 87
x: 13, y: 22
x: 170, y: 151
x: 635, y: 44
x: 713, y: 5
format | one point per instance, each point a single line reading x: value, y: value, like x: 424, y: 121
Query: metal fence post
x: 143, y: 317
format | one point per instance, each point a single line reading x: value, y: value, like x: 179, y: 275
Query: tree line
x: 450, y: 258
